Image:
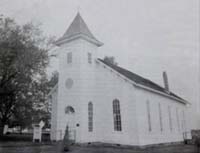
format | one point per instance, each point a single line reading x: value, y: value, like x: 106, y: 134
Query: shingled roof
x: 78, y: 28
x: 142, y: 81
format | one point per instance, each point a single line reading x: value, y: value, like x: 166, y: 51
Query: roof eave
x: 162, y: 93
x: 63, y: 40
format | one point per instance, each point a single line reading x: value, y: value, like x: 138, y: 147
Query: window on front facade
x: 50, y: 102
x: 90, y: 117
x: 69, y: 57
x: 149, y: 115
x: 160, y: 117
x: 50, y: 99
x: 117, y: 115
x: 89, y: 58
x: 170, y: 117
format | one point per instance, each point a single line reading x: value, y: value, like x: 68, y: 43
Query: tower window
x: 69, y: 57
x: 90, y: 117
x: 117, y: 115
x: 89, y: 58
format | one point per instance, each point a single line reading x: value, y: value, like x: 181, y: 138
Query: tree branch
x: 8, y: 79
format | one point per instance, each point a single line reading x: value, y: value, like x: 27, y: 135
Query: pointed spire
x: 78, y: 26
x: 77, y: 29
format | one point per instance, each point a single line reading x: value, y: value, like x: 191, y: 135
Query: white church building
x: 102, y: 102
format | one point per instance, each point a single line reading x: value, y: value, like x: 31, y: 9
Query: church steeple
x: 78, y: 29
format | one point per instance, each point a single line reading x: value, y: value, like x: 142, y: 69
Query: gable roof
x: 78, y: 28
x: 142, y: 81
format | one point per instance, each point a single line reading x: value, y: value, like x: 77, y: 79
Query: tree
x: 23, y: 59
x: 110, y: 59
x: 44, y: 112
x: 33, y: 108
x: 39, y: 107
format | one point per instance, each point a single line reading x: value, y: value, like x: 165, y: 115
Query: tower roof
x: 77, y: 29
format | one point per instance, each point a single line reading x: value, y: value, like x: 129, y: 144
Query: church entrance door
x: 71, y: 128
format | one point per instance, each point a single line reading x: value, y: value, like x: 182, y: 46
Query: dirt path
x: 15, y: 147
x: 168, y: 149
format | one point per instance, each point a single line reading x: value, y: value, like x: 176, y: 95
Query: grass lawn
x: 29, y: 147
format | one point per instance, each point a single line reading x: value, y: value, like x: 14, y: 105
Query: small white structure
x: 5, y: 129
x: 101, y: 102
x: 37, y: 131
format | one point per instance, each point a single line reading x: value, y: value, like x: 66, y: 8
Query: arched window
x: 90, y: 117
x: 117, y: 115
x: 149, y: 115
x: 170, y: 118
x: 50, y: 100
x: 177, y: 118
x: 69, y: 110
x: 183, y: 121
x: 160, y: 117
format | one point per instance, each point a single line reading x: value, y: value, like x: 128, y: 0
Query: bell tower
x: 77, y: 53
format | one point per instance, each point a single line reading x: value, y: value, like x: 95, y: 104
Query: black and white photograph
x: 99, y: 76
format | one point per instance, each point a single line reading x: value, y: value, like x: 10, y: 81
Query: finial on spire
x: 78, y: 8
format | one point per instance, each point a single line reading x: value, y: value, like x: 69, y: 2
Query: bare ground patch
x: 28, y: 147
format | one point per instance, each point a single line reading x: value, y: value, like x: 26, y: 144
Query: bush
x: 16, y: 137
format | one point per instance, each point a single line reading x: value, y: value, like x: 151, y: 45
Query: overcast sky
x: 145, y: 36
